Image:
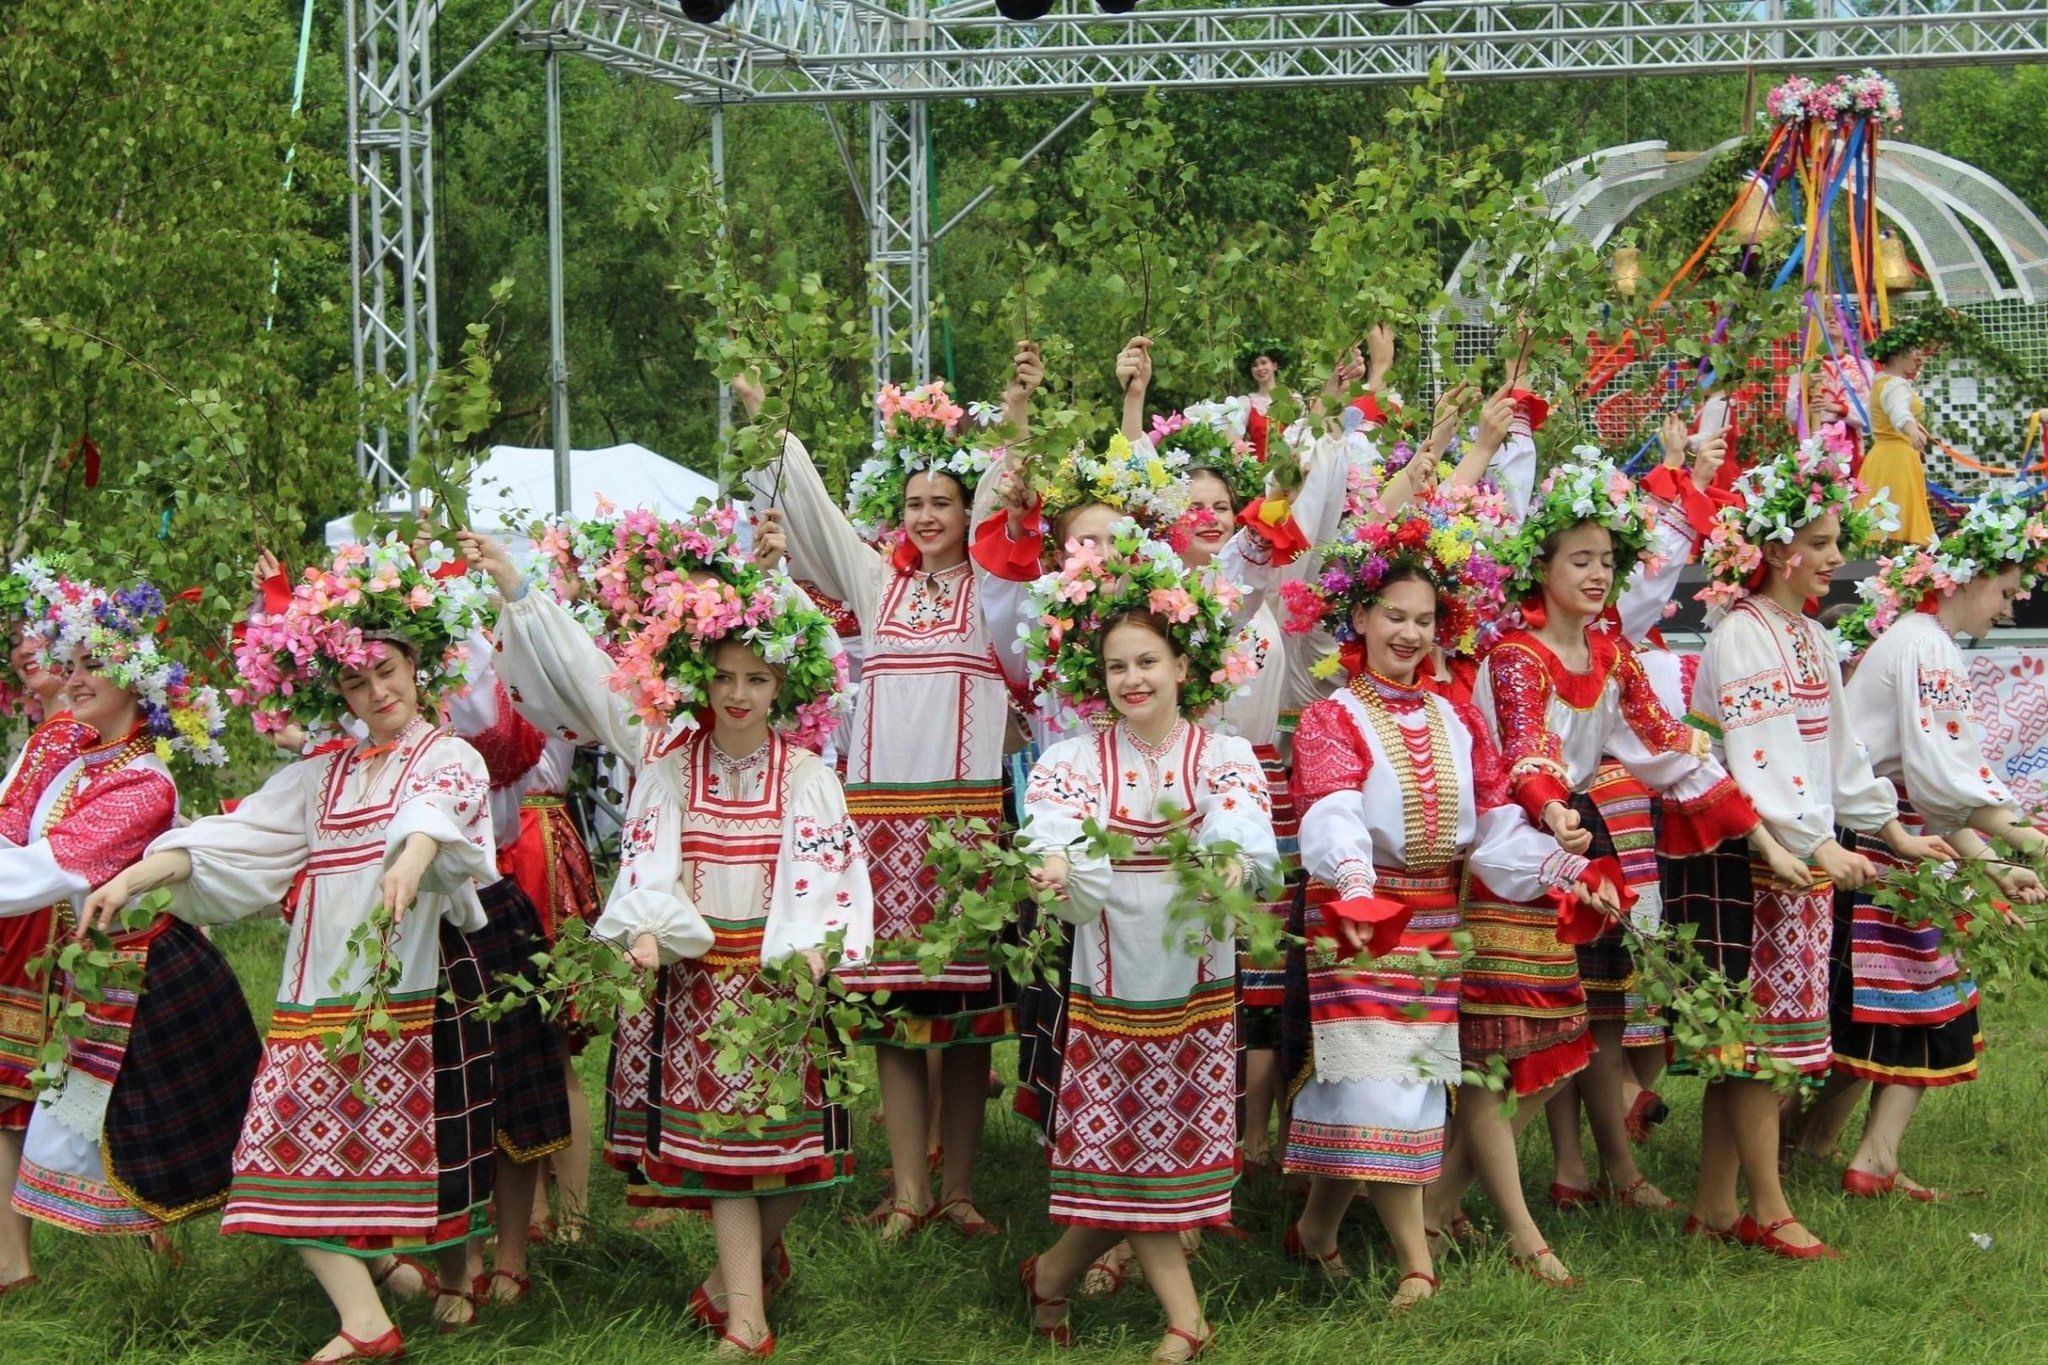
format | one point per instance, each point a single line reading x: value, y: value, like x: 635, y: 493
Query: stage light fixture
x: 1116, y: 6
x: 1024, y: 10
x: 705, y: 11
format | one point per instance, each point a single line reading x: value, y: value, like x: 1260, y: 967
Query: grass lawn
x: 1912, y: 1284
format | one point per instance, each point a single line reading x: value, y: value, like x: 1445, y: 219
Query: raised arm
x: 823, y: 546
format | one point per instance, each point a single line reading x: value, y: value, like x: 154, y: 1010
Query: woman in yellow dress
x: 1898, y: 432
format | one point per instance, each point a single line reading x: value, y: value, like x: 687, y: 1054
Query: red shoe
x: 1696, y: 1228
x: 731, y: 1347
x: 708, y: 1314
x: 1564, y: 1198
x: 29, y: 1281
x: 778, y: 1272
x: 1646, y: 1113
x: 971, y: 1222
x: 522, y: 1285
x: 1060, y: 1333
x: 1863, y: 1185
x: 1765, y: 1238
x: 1531, y: 1266
x: 1332, y: 1265
x: 390, y: 1346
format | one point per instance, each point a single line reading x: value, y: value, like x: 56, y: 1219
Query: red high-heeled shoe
x: 1565, y: 1198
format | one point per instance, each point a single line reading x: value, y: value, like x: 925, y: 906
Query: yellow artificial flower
x: 1326, y: 667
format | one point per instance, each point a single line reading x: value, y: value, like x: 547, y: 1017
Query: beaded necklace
x: 1418, y: 757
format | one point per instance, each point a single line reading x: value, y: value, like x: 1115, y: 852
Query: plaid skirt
x: 1042, y: 1040
x: 465, y: 1121
x: 1606, y: 969
x: 528, y: 1054
x: 1771, y: 938
x: 177, y: 1106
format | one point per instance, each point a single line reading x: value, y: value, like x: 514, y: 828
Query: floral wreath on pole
x: 920, y: 434
x: 2001, y: 530
x: 1586, y: 487
x: 344, y: 615
x: 665, y: 667
x: 1866, y: 94
x: 1134, y: 572
x: 602, y: 568
x: 121, y: 633
x: 1773, y: 500
x: 1445, y: 539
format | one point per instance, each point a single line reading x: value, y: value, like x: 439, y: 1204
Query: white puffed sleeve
x: 243, y: 862
x: 649, y: 896
x: 823, y: 546
x: 559, y: 678
x: 821, y: 873
x: 1896, y: 398
x: 1513, y: 471
x: 1062, y: 795
x: 1864, y: 801
x: 1941, y: 750
x: 1516, y: 860
x: 447, y: 798
x: 1233, y: 806
x: 1648, y: 592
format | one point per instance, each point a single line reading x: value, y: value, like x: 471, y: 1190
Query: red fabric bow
x: 1284, y: 537
x: 907, y: 558
x: 1351, y: 654
x: 1386, y: 919
x: 1578, y: 922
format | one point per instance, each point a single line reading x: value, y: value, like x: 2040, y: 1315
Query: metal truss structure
x: 897, y: 56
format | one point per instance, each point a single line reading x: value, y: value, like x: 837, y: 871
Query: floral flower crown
x: 119, y: 632
x: 1448, y: 538
x: 603, y: 567
x: 2001, y: 530
x: 342, y: 616
x: 1134, y: 478
x: 666, y: 665
x: 1775, y: 499
x: 15, y: 592
x: 920, y: 434
x: 1936, y: 327
x: 1586, y: 487
x: 1133, y: 572
x: 1211, y: 436
x: 1863, y: 95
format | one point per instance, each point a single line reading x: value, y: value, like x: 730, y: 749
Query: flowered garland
x: 1934, y: 328
x: 339, y: 617
x: 665, y: 667
x: 14, y: 599
x: 1775, y: 499
x: 920, y: 434
x: 1450, y: 539
x: 1131, y: 477
x: 1211, y: 435
x: 2002, y: 529
x: 1866, y: 94
x: 603, y: 568
x: 1585, y: 487
x: 119, y: 633
x: 1134, y: 572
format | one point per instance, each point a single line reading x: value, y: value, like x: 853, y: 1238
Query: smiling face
x: 99, y: 702
x: 1980, y: 604
x: 24, y: 656
x: 1578, y: 571
x: 1088, y: 523
x: 1807, y: 566
x: 742, y: 693
x: 1211, y: 510
x: 1265, y: 371
x: 384, y: 694
x: 1143, y: 674
x: 1398, y: 629
x: 935, y: 517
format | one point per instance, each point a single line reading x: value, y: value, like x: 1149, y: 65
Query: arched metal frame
x: 897, y: 56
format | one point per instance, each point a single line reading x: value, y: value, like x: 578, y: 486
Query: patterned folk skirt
x: 1520, y: 997
x: 24, y: 1023
x: 1262, y: 987
x: 1623, y: 821
x: 1901, y: 1009
x: 1772, y: 938
x: 551, y: 863
x: 142, y: 1131
x: 529, y: 1054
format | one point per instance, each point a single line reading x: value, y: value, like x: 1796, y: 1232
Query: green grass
x: 1912, y: 1285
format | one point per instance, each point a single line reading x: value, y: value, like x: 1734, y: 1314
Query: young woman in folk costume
x: 1399, y: 786
x: 927, y: 740
x: 136, y: 1132
x: 1143, y: 1142
x: 1683, y: 500
x: 738, y: 854
x: 1895, y: 467
x: 1904, y: 1014
x: 1769, y: 692
x: 398, y: 822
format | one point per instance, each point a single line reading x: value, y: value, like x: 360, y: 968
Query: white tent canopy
x: 513, y: 485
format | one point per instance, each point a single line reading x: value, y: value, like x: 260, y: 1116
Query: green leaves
x: 1999, y: 944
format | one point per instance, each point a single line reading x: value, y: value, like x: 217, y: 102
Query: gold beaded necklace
x: 1428, y: 811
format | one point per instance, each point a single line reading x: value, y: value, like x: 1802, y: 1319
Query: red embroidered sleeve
x: 1016, y: 561
x: 112, y: 822
x: 1534, y: 757
x: 1657, y: 728
x: 1329, y: 754
x: 55, y: 743
x: 1489, y: 775
x: 511, y: 746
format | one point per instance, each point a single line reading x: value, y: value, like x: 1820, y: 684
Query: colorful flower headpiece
x: 1448, y: 537
x: 920, y: 434
x: 1775, y: 499
x: 1131, y: 477
x: 603, y: 568
x: 1586, y: 487
x: 345, y: 615
x: 1866, y: 94
x: 2001, y: 530
x: 15, y: 591
x: 1212, y: 437
x: 665, y: 667
x: 1133, y: 572
x: 120, y: 633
